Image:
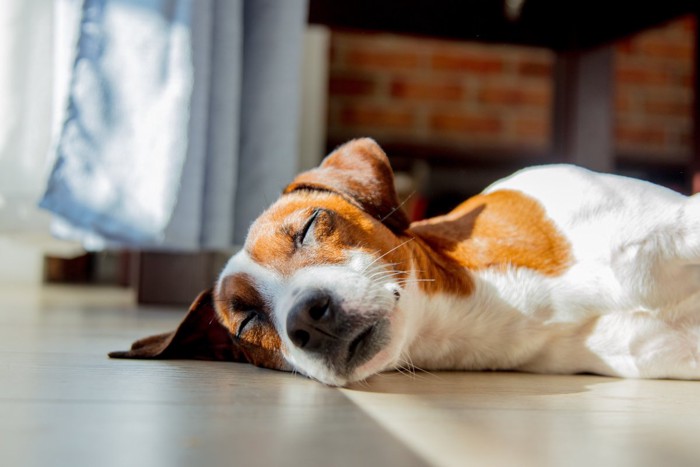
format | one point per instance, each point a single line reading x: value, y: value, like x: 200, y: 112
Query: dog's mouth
x: 359, y: 346
x: 370, y: 341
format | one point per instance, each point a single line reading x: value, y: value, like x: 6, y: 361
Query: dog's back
x: 599, y: 273
x: 632, y: 242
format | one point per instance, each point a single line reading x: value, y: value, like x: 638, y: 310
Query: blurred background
x: 227, y: 100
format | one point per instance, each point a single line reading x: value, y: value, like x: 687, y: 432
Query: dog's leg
x: 627, y: 344
x: 687, y: 242
x: 661, y: 267
x: 640, y: 345
x: 678, y: 270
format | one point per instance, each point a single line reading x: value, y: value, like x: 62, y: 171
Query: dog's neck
x: 435, y: 304
x: 436, y: 271
x: 446, y: 329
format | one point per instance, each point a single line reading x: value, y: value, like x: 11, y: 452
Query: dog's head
x: 319, y: 277
x: 317, y: 287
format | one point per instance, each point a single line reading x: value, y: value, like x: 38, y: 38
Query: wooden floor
x: 63, y: 403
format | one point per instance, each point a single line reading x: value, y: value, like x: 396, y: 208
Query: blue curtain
x: 181, y: 121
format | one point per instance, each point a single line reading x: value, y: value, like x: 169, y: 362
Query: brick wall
x: 473, y: 96
x: 654, y: 95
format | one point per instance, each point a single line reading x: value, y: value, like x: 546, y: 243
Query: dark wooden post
x: 583, y: 124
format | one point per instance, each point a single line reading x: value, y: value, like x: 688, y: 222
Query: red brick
x: 512, y: 96
x: 425, y: 90
x: 333, y: 53
x: 623, y: 103
x: 465, y: 123
x: 686, y: 80
x: 535, y: 128
x: 685, y: 140
x: 668, y: 107
x: 376, y: 82
x: 535, y: 69
x: 628, y: 74
x: 351, y: 86
x: 640, y: 135
x: 661, y: 48
x: 625, y: 46
x: 359, y: 115
x: 688, y: 23
x: 381, y: 59
x: 466, y: 62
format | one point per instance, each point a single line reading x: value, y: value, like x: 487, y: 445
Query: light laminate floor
x: 64, y: 403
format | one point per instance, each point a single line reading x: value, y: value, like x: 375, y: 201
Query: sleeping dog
x: 555, y: 269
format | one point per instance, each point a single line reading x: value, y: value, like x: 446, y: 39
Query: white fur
x: 268, y: 282
x: 358, y: 283
x: 629, y: 305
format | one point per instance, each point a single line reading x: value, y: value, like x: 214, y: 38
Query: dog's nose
x: 311, y: 321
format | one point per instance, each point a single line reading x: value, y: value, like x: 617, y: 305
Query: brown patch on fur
x: 359, y: 171
x: 271, y: 242
x: 202, y: 336
x: 199, y: 336
x: 437, y: 271
x: 498, y: 230
x: 339, y: 227
x: 238, y: 293
x: 236, y: 300
x: 263, y: 346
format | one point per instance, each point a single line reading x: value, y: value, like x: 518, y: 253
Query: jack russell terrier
x: 555, y: 269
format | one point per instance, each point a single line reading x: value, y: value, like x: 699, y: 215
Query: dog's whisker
x: 383, y: 267
x: 400, y: 205
x: 405, y: 367
x: 407, y: 364
x: 388, y: 252
x: 381, y: 273
x: 412, y: 281
x: 417, y: 369
x: 363, y: 383
x: 387, y: 275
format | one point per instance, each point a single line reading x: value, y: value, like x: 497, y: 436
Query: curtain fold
x: 181, y: 121
x: 25, y: 111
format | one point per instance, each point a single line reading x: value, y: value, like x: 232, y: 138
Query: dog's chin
x: 382, y: 361
x: 387, y: 357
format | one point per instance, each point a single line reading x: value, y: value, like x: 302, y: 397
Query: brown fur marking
x: 500, y: 229
x: 340, y: 227
x: 259, y: 341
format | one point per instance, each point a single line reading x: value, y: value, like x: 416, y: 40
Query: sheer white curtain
x: 179, y: 123
x: 28, y: 75
x: 26, y: 80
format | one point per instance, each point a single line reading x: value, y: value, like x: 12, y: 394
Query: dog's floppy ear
x: 360, y: 172
x: 200, y: 336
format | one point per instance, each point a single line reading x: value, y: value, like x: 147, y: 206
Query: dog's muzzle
x: 318, y: 324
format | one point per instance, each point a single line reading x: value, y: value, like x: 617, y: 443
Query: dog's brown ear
x: 200, y: 336
x: 360, y: 172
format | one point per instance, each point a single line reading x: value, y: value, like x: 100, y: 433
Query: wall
x: 476, y: 96
x: 653, y: 75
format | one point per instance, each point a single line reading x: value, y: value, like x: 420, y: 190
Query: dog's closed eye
x: 305, y: 235
x: 249, y: 319
x: 251, y: 313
